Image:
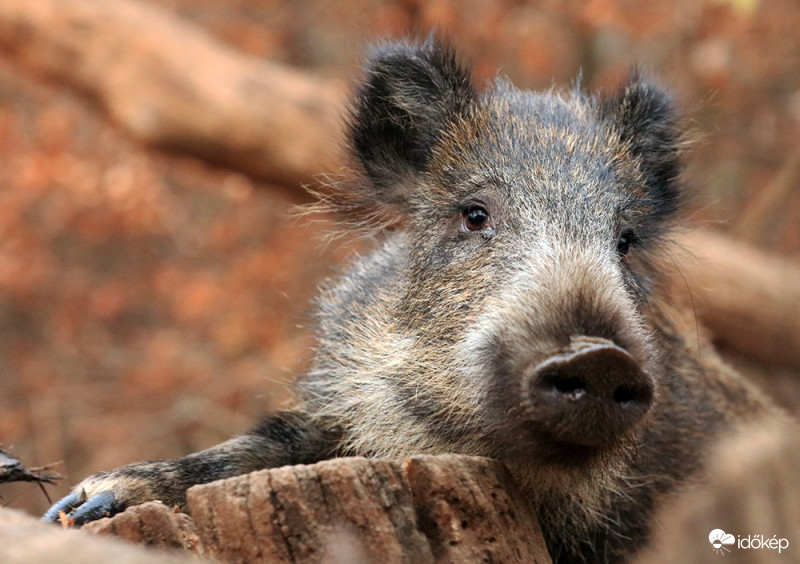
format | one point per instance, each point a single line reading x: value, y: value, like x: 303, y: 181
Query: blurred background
x: 153, y: 304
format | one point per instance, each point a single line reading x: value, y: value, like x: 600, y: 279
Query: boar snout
x: 589, y: 395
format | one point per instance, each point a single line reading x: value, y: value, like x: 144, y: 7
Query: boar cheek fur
x: 421, y: 343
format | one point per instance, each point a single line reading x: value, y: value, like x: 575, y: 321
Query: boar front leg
x: 279, y: 440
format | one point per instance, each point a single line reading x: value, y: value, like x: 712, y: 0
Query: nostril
x: 571, y: 386
x: 626, y: 395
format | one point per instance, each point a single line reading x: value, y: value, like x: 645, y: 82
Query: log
x: 748, y: 298
x: 172, y: 85
x: 431, y: 509
x: 25, y: 540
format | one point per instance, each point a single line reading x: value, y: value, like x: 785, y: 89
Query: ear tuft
x: 643, y: 115
x: 411, y: 95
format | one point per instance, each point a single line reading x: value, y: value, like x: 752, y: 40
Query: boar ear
x: 411, y: 94
x: 643, y: 115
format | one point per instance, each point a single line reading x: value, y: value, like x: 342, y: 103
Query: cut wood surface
x: 171, y: 84
x: 430, y: 509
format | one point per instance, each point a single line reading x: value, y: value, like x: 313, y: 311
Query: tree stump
x: 430, y: 509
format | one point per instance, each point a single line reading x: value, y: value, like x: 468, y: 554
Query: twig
x: 12, y: 470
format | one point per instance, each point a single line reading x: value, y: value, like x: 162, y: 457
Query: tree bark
x: 172, y: 85
x: 431, y: 509
x: 472, y: 512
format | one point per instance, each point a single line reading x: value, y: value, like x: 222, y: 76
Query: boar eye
x: 476, y: 218
x: 624, y: 242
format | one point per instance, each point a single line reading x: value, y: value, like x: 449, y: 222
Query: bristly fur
x: 422, y: 342
x: 528, y: 232
x: 643, y: 115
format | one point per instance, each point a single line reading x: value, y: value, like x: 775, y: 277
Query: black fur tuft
x: 411, y: 94
x: 643, y: 115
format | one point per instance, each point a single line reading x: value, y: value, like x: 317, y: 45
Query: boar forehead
x: 547, y: 158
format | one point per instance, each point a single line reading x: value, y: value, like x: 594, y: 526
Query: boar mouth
x: 585, y: 398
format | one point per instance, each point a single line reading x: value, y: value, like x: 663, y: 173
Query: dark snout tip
x: 601, y: 370
x: 589, y: 394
